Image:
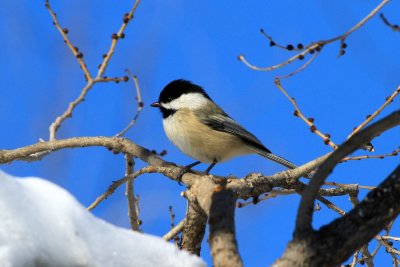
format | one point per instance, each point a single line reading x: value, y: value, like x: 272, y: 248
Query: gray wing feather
x: 223, y: 123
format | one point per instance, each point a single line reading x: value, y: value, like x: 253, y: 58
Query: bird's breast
x: 199, y: 141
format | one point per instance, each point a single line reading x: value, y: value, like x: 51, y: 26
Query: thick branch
x: 194, y: 228
x: 252, y: 185
x: 115, y: 144
x: 218, y: 203
x: 335, y: 242
x: 256, y: 184
x: 304, y: 215
x: 222, y: 239
x: 348, y: 233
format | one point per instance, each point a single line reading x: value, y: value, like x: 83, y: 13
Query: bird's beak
x: 155, y: 105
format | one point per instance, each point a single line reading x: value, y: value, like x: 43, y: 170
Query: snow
x: 41, y: 224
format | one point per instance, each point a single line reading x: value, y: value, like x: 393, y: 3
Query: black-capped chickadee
x: 202, y: 130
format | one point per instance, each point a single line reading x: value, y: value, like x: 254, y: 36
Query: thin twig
x: 90, y: 81
x: 305, y: 211
x: 369, y: 118
x: 68, y: 113
x: 315, y: 46
x: 174, y: 231
x: 115, y: 37
x: 355, y: 258
x: 347, y: 185
x: 110, y: 190
x: 389, y: 238
x: 392, y: 26
x: 308, y: 121
x: 172, y: 216
x: 112, y: 79
x: 305, y: 65
x: 367, y: 257
x: 331, y: 206
x: 74, y: 49
x: 140, y: 106
x: 271, y: 194
x: 393, y: 154
x: 388, y: 247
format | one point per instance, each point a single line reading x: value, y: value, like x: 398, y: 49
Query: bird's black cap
x: 176, y: 88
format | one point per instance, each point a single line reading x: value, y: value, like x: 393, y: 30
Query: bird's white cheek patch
x: 190, y: 101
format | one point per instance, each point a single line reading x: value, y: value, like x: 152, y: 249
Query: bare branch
x: 68, y: 113
x: 113, y: 79
x: 222, y: 239
x: 346, y: 234
x: 305, y: 65
x: 252, y: 185
x: 394, y: 153
x: 172, y: 216
x: 308, y: 121
x: 175, y: 230
x: 115, y: 37
x: 74, y: 49
x: 271, y: 194
x: 133, y: 208
x: 392, y: 26
x: 140, y: 106
x: 90, y: 81
x: 194, y: 228
x: 389, y: 238
x: 369, y: 118
x: 218, y: 203
x: 316, y: 46
x: 304, y: 216
x: 110, y: 190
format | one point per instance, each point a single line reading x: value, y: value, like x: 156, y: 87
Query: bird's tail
x: 277, y: 159
x: 280, y: 160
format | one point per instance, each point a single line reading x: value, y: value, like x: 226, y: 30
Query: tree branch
x: 133, y: 205
x: 194, y: 228
x: 222, y: 229
x: 317, y: 46
x: 252, y: 185
x: 305, y: 212
x: 218, y: 203
x: 345, y: 235
x: 335, y: 242
x: 175, y: 231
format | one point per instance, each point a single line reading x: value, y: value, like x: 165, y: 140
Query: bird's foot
x: 184, y: 170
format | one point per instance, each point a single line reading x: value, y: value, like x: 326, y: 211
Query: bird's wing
x: 223, y: 123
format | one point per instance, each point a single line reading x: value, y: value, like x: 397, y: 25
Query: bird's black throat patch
x: 167, y: 112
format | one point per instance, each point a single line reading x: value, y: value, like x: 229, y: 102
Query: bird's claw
x: 182, y: 172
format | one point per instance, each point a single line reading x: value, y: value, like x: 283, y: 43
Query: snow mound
x: 41, y: 224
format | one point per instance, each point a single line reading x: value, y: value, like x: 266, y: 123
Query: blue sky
x: 199, y: 41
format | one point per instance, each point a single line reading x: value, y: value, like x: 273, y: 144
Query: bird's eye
x: 169, y: 99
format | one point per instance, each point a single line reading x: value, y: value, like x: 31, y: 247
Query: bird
x: 201, y: 129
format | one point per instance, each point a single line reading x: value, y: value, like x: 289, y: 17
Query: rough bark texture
x: 222, y: 239
x: 337, y: 241
x: 306, y: 208
x: 194, y: 229
x: 218, y: 203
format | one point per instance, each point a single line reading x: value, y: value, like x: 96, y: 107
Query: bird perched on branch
x: 202, y: 130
